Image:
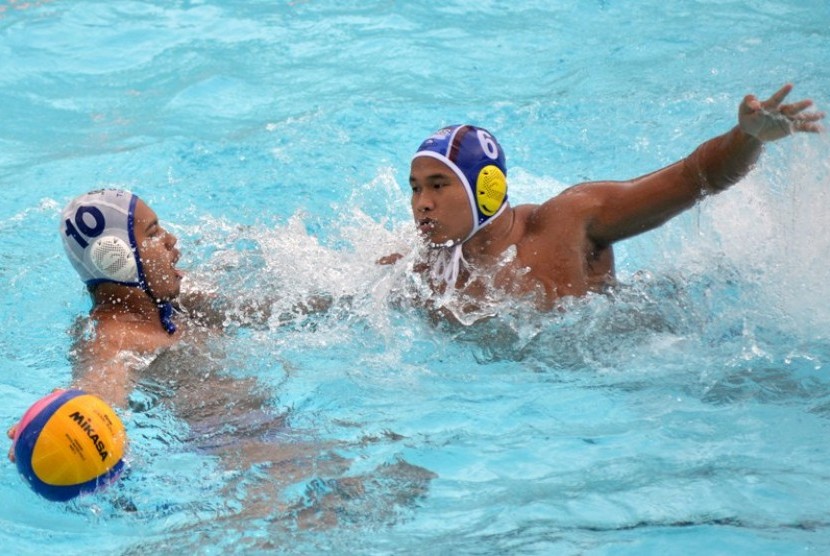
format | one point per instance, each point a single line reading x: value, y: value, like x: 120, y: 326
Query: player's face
x: 440, y: 205
x: 158, y: 253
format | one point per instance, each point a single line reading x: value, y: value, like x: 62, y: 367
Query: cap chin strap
x: 448, y: 266
x: 166, y: 312
x: 165, y: 308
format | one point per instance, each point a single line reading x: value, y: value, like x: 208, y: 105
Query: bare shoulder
x: 112, y: 337
x: 108, y: 355
x: 569, y: 210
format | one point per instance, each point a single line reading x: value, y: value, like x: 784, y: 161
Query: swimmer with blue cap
x: 476, y: 162
x: 480, y: 245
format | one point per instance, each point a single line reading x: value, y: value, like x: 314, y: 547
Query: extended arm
x: 217, y: 311
x: 623, y: 209
x: 100, y: 372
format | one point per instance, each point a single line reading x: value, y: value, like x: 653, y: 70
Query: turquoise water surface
x: 686, y: 413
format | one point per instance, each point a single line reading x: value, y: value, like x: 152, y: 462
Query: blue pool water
x: 687, y: 413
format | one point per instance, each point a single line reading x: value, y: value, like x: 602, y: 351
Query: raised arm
x: 619, y: 210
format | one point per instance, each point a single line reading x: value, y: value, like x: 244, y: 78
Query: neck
x: 117, y: 301
x: 492, y: 239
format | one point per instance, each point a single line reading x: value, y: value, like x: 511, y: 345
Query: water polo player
x: 117, y: 246
x: 128, y: 262
x: 563, y: 247
x: 134, y: 339
x: 138, y: 329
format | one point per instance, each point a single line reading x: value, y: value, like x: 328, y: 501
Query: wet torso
x: 543, y: 260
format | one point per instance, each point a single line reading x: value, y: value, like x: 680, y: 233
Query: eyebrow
x: 155, y: 222
x: 438, y: 176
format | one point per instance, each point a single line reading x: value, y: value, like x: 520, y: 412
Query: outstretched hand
x: 769, y: 120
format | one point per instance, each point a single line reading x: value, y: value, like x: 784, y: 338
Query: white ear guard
x: 113, y: 258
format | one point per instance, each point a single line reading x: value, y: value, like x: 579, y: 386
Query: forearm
x: 109, y: 381
x: 215, y: 311
x: 721, y: 162
x: 626, y: 209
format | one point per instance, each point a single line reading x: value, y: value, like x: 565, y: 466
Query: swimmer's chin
x: 432, y: 244
x: 437, y: 241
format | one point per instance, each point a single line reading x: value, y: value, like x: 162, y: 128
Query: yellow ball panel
x: 82, y: 440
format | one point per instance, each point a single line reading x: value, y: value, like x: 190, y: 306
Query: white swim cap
x: 97, y: 234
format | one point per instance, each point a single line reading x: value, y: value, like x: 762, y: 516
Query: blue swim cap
x: 478, y: 160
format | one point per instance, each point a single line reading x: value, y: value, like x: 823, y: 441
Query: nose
x: 423, y: 202
x: 170, y: 240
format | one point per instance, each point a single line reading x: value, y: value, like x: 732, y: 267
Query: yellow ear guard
x: 491, y: 188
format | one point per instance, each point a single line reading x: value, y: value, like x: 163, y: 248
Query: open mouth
x: 426, y: 225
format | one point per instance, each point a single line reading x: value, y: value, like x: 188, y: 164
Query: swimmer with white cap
x: 128, y: 262
x: 564, y: 246
x: 114, y: 241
